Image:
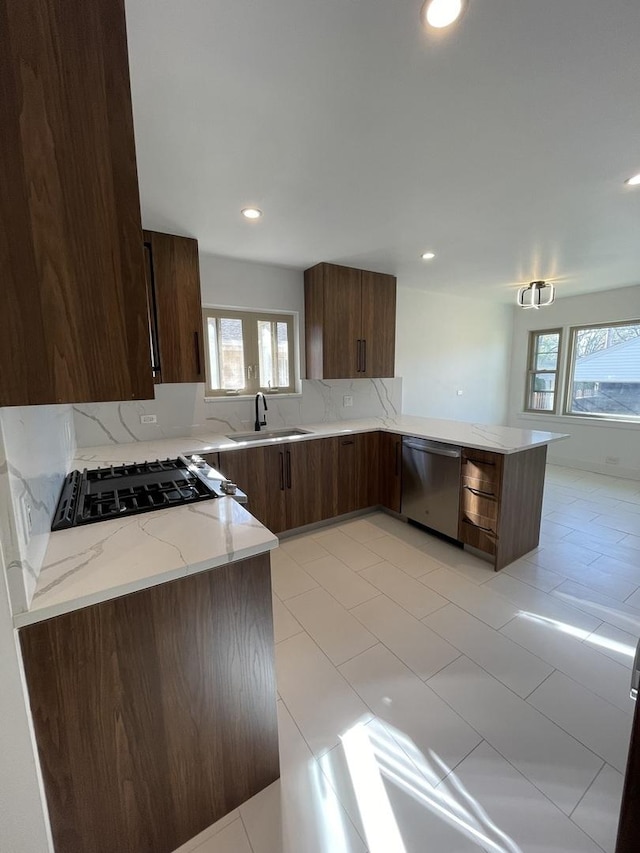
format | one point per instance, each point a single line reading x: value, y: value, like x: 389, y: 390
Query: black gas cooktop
x: 106, y: 493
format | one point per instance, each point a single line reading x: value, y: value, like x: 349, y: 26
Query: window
x: 543, y: 366
x: 604, y: 371
x: 248, y: 352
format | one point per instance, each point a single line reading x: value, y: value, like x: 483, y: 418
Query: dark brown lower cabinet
x: 260, y: 472
x: 310, y: 481
x: 288, y: 485
x: 155, y: 713
x: 501, y: 502
x: 358, y: 474
x: 390, y: 467
x: 299, y: 483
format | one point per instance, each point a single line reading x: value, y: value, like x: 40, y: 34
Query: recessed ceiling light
x: 442, y: 13
x: 251, y: 212
x: 427, y: 256
x: 634, y: 181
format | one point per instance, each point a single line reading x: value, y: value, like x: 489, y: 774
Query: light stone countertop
x: 499, y: 439
x: 96, y: 562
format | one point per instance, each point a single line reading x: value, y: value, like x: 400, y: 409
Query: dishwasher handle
x: 453, y: 453
x: 635, y: 674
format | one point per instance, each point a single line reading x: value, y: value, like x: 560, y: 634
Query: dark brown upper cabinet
x: 73, y: 318
x: 350, y: 323
x: 175, y: 307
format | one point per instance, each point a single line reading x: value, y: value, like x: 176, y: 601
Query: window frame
x: 570, y: 369
x: 534, y: 334
x: 251, y: 350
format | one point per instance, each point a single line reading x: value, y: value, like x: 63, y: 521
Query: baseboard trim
x: 595, y: 467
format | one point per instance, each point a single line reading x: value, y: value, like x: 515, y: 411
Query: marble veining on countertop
x: 97, y: 562
x: 500, y: 439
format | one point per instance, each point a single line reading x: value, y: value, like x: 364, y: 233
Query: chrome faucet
x: 260, y: 423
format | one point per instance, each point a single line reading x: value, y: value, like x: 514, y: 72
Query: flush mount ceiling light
x: 251, y: 212
x: 538, y: 294
x: 634, y: 181
x: 427, y: 256
x: 442, y: 13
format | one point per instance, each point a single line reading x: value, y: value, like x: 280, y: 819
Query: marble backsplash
x: 37, y: 444
x: 182, y: 410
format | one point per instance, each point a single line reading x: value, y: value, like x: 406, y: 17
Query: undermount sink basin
x: 268, y: 434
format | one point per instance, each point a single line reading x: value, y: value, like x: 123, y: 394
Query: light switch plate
x: 148, y: 419
x: 347, y: 400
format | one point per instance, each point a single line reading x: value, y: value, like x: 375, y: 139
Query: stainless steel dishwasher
x: 431, y: 484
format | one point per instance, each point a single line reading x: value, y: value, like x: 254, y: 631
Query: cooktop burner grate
x: 106, y: 493
x: 120, y: 471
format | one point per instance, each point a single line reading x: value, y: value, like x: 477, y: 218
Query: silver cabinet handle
x: 480, y: 527
x: 435, y: 451
x: 635, y: 674
x: 479, y: 493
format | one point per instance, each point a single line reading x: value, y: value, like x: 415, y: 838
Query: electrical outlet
x: 612, y: 460
x: 347, y: 400
x: 148, y: 419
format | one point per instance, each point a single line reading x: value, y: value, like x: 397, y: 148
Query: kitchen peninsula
x: 149, y: 661
x: 94, y: 563
x: 149, y: 639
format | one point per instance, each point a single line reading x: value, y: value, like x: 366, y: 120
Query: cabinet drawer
x: 478, y: 531
x: 482, y: 470
x: 479, y: 501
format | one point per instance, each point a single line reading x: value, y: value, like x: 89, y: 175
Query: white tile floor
x: 428, y: 704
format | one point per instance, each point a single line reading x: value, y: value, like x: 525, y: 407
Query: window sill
x: 235, y: 397
x: 583, y: 421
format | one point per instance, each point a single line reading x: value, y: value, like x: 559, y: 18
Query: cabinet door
x: 178, y: 307
x: 347, y: 500
x: 73, y: 324
x: 390, y: 470
x: 260, y: 472
x: 311, y: 475
x: 378, y: 325
x: 342, y: 322
x: 367, y: 470
x: 358, y: 474
x: 155, y: 712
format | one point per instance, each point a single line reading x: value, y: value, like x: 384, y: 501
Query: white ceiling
x: 501, y: 145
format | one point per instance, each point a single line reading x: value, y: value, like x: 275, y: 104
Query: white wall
x: 450, y: 343
x: 227, y: 281
x: 244, y: 284
x: 591, y: 442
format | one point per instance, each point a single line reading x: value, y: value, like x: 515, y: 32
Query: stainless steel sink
x: 268, y: 434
